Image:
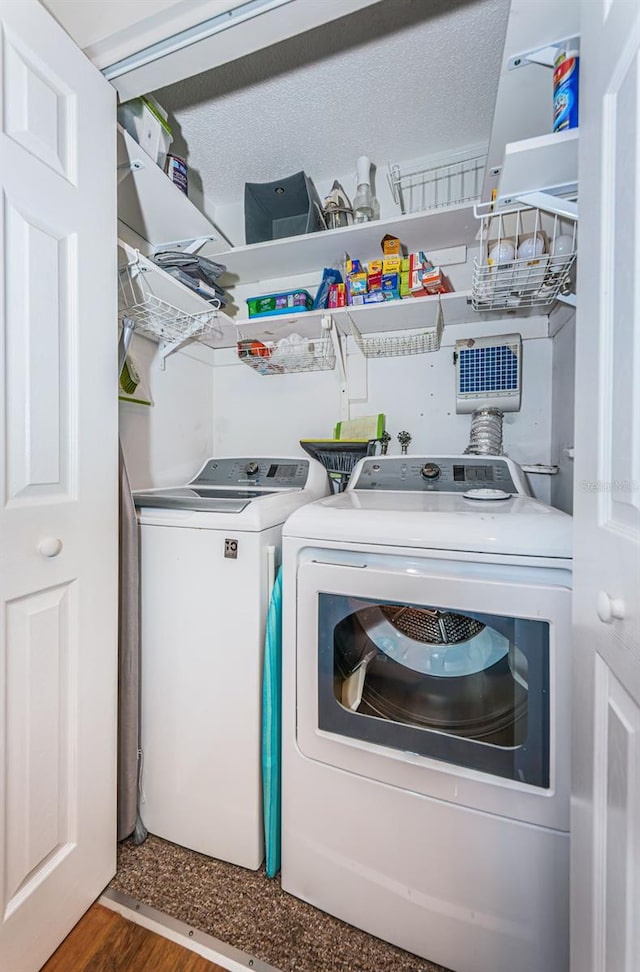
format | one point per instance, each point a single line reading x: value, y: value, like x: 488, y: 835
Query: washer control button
x: 252, y: 468
x: 431, y: 471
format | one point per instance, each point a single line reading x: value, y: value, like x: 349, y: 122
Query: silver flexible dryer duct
x: 485, y: 438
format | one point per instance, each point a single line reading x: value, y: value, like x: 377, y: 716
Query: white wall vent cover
x: 489, y: 373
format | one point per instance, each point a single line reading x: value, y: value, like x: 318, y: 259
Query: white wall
x: 261, y: 414
x: 210, y: 403
x: 563, y: 384
x: 167, y: 443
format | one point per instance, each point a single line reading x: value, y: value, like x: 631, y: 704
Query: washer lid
x: 264, y: 489
x: 200, y: 498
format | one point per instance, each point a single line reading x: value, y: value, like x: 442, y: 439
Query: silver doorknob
x: 50, y: 546
x: 609, y: 608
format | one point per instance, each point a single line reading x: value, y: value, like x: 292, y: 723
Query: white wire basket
x: 457, y: 182
x: 406, y: 342
x: 154, y: 315
x: 526, y: 258
x: 287, y: 356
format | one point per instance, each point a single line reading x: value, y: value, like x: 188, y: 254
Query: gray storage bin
x: 274, y: 210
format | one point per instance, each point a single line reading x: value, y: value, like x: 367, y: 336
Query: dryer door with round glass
x: 442, y: 676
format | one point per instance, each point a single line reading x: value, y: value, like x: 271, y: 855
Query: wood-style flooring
x: 104, y: 941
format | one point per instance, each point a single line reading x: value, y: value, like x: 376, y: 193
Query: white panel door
x: 606, y: 697
x: 58, y: 486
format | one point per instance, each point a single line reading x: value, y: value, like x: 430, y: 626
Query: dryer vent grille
x: 489, y: 373
x: 431, y: 627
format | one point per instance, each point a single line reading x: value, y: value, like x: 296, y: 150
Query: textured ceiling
x: 405, y: 79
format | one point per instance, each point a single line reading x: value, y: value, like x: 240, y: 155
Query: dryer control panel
x: 269, y: 473
x: 444, y: 474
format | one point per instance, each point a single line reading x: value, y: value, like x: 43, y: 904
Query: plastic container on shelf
x: 270, y: 305
x: 146, y: 122
x: 276, y: 210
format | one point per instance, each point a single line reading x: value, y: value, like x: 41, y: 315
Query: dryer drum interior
x: 434, y: 669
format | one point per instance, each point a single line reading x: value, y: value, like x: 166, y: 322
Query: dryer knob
x: 252, y: 468
x: 431, y: 471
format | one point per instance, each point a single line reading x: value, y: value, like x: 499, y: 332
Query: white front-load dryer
x: 426, y: 711
x: 208, y: 553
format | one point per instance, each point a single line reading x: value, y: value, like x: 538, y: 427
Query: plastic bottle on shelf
x: 365, y: 204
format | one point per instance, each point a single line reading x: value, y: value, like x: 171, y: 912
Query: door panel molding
x: 40, y: 109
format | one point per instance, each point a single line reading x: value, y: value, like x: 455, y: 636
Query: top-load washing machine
x: 208, y: 554
x: 426, y: 659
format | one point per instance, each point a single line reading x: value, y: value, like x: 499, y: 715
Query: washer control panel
x: 444, y: 474
x: 249, y: 471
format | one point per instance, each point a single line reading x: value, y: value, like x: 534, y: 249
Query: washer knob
x: 251, y: 468
x: 431, y: 471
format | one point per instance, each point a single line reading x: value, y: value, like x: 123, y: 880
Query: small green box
x: 288, y: 303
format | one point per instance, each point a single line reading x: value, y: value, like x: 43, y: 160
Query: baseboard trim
x: 230, y: 958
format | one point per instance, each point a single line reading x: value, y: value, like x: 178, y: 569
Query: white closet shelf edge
x: 418, y: 313
x: 433, y: 230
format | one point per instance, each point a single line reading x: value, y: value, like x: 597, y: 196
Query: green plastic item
x: 156, y: 114
x: 291, y: 302
x: 367, y: 427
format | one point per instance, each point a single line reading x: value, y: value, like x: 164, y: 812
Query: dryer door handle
x: 332, y: 563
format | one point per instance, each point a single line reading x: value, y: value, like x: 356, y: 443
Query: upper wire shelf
x: 458, y: 182
x: 526, y: 258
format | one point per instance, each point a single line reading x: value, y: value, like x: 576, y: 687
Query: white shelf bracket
x: 550, y: 204
x: 127, y: 168
x: 543, y: 55
x: 328, y: 325
x: 166, y: 348
x: 569, y: 299
x: 187, y: 246
x: 539, y: 469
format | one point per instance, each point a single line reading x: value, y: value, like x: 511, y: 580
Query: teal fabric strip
x: 272, y: 728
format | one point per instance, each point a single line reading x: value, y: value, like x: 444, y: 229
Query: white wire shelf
x: 453, y: 184
x: 290, y: 355
x: 526, y: 259
x: 393, y: 345
x: 163, y: 308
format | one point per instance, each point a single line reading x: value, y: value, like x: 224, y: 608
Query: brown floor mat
x: 250, y: 911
